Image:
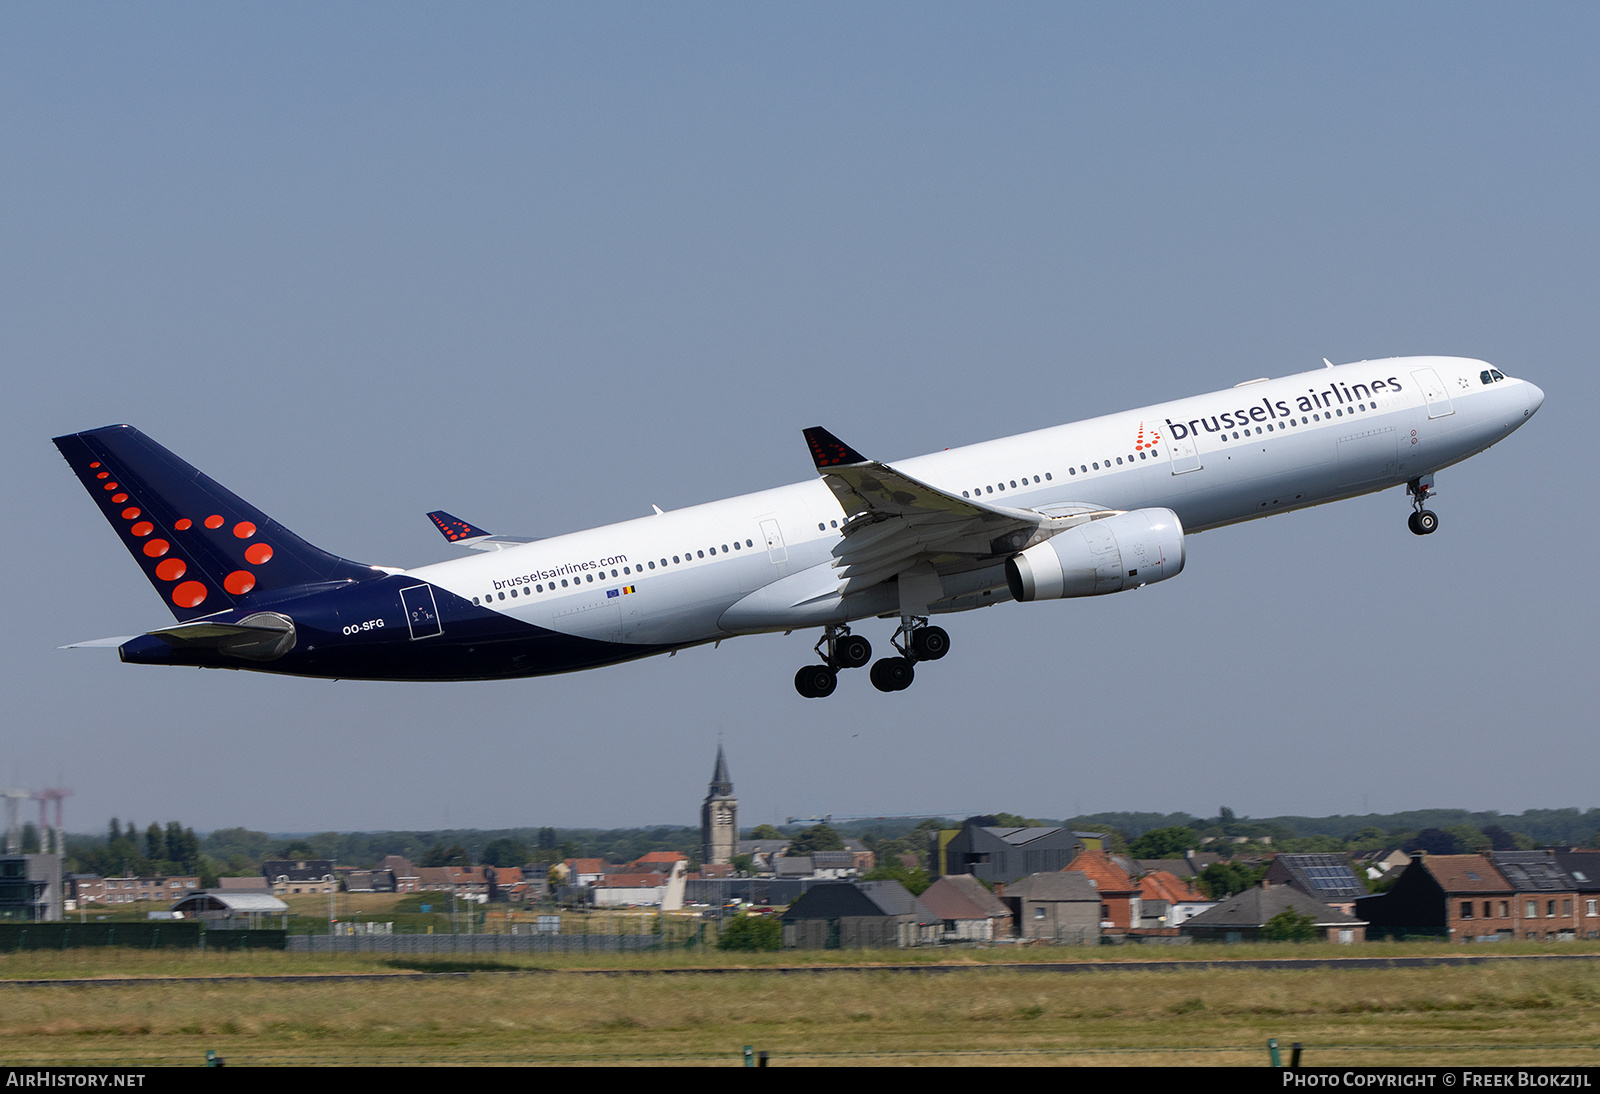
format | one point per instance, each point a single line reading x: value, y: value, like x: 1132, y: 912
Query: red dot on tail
x: 143, y: 528
x: 239, y: 582
x: 119, y: 498
x: 155, y: 548
x: 111, y: 486
x: 189, y: 594
x: 213, y: 521
x: 130, y: 513
x: 171, y: 569
x: 96, y: 463
x: 244, y: 529
x: 183, y: 524
x: 257, y: 553
x: 103, y: 475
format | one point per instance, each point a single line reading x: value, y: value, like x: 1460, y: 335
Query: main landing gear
x: 839, y: 649
x: 844, y: 651
x: 916, y: 641
x: 1423, y: 522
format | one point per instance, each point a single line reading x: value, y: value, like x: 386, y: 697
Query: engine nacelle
x: 1100, y: 556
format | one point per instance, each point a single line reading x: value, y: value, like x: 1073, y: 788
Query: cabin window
x: 674, y: 560
x: 474, y: 600
x: 700, y: 554
x: 1047, y: 476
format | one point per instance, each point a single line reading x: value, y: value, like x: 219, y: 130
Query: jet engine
x: 1101, y: 556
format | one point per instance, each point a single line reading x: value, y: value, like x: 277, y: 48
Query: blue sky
x: 546, y: 265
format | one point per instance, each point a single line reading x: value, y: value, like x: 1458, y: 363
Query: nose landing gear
x: 1423, y: 522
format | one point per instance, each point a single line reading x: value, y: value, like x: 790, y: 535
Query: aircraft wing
x: 895, y: 521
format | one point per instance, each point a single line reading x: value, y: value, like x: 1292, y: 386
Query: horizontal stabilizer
x: 98, y: 643
x: 462, y: 534
x: 259, y: 637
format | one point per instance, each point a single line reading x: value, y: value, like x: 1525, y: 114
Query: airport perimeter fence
x: 653, y: 936
x: 142, y: 936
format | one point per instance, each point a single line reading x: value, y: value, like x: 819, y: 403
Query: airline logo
x: 1149, y: 436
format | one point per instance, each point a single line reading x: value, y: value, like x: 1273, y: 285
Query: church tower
x: 719, y: 817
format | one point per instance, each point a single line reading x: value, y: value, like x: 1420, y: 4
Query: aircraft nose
x: 1535, y: 396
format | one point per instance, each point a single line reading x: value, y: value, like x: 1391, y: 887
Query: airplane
x: 1085, y: 509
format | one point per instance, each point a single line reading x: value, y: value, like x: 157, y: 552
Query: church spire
x: 721, y: 784
x: 719, y: 816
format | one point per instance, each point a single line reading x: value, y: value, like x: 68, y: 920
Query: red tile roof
x: 1108, y: 877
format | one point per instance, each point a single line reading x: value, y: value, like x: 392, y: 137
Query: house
x: 967, y: 911
x: 1060, y: 906
x: 1167, y: 901
x: 1112, y: 876
x: 858, y: 915
x: 93, y: 889
x: 654, y: 881
x: 1244, y: 916
x: 762, y: 852
x: 1547, y: 896
x: 1192, y: 864
x: 1583, y: 867
x: 288, y: 877
x: 402, y: 870
x: 1461, y: 898
x: 1329, y: 878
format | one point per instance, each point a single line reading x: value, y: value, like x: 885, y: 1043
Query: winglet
x: 455, y: 529
x: 829, y: 451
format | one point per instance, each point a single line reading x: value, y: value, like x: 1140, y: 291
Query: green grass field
x: 548, y: 1011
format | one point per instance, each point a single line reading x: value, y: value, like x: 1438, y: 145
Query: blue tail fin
x: 204, y: 548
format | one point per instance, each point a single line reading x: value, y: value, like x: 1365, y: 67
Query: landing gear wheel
x: 815, y: 681
x: 852, y: 651
x: 1424, y: 522
x: 892, y: 674
x: 929, y: 643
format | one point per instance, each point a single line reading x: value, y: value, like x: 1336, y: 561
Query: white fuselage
x: 670, y: 580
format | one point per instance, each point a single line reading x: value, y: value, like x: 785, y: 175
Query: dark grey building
x: 858, y: 915
x: 995, y: 854
x: 30, y: 888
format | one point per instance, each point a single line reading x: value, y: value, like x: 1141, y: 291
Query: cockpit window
x: 1485, y: 377
x: 1497, y: 374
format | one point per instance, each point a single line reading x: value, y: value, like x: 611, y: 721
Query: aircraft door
x: 776, y: 551
x: 1433, y: 390
x: 422, y: 614
x: 1185, y: 457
